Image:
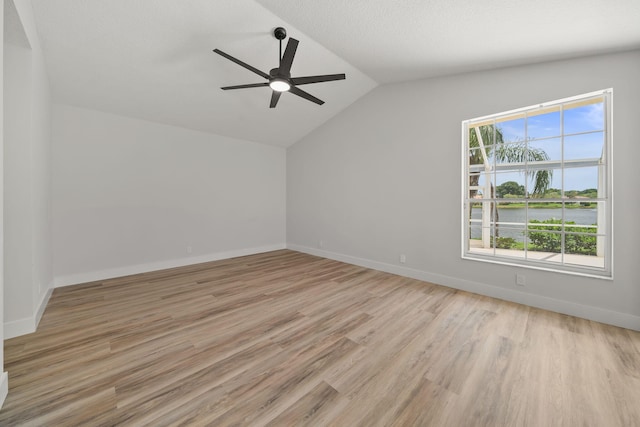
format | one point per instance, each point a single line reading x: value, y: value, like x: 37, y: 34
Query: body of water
x: 579, y: 216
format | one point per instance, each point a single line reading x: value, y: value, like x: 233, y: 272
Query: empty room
x: 292, y: 212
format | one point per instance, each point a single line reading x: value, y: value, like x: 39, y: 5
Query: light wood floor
x: 287, y: 339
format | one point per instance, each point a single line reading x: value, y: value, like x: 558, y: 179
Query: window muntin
x: 537, y: 186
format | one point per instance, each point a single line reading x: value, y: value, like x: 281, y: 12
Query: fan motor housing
x: 275, y: 72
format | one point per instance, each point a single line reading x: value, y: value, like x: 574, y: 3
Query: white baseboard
x: 43, y: 304
x: 597, y: 314
x: 15, y: 328
x: 74, y: 279
x: 28, y: 325
x: 4, y: 387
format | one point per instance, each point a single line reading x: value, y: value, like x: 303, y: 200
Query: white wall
x: 4, y: 378
x: 383, y: 178
x: 18, y: 182
x: 28, y: 272
x: 132, y: 196
x: 41, y: 173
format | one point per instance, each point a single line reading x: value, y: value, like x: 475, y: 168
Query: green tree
x: 591, y: 193
x: 552, y: 193
x: 542, y: 240
x: 510, y: 187
x: 506, y: 152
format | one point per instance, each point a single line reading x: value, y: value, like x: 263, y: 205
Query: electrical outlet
x: 521, y: 280
x: 320, y: 244
x: 403, y: 258
x: 189, y: 249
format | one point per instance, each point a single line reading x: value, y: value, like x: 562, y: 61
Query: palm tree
x: 511, y: 152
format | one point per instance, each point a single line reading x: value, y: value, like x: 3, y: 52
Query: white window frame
x: 605, y: 204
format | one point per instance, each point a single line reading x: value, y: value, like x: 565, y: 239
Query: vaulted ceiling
x: 153, y: 59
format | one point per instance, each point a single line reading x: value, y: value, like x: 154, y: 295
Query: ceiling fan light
x: 279, y: 85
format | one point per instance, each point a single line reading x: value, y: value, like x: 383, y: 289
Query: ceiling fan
x: 279, y: 79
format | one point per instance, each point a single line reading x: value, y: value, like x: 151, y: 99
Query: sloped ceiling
x: 153, y: 59
x: 400, y: 40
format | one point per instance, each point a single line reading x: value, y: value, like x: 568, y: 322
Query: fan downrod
x: 280, y: 33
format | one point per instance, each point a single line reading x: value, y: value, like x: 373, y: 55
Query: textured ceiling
x: 153, y: 59
x: 399, y: 40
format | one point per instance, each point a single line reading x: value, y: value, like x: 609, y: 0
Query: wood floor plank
x: 285, y: 338
x: 309, y: 409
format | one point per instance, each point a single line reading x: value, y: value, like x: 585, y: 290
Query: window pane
x: 582, y: 249
x: 585, y: 146
x: 475, y: 228
x: 580, y: 182
x: 552, y: 192
x: 544, y: 231
x: 512, y: 130
x: 509, y: 185
x: 482, y: 227
x: 543, y: 181
x: 483, y: 181
x: 544, y: 125
x: 585, y: 118
x: 580, y: 218
x: 475, y: 156
x: 509, y: 237
x: 581, y: 206
x: 509, y: 230
x: 486, y: 133
x: 473, y: 195
x: 512, y: 154
x: 542, y: 241
x: 476, y: 217
x: 490, y: 152
x: 545, y: 150
x: 580, y: 243
x: 543, y: 217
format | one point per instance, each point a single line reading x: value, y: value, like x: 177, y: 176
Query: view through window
x: 537, y: 186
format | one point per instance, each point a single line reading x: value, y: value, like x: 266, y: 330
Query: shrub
x: 504, y: 242
x: 551, y: 242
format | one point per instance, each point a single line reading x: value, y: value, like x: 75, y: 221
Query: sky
x: 544, y: 133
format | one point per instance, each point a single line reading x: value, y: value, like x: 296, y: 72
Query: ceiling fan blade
x: 287, y: 58
x: 275, y: 96
x: 317, y: 79
x: 294, y: 90
x: 245, y: 86
x: 243, y: 64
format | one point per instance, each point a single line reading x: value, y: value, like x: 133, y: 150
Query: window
x: 537, y: 186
